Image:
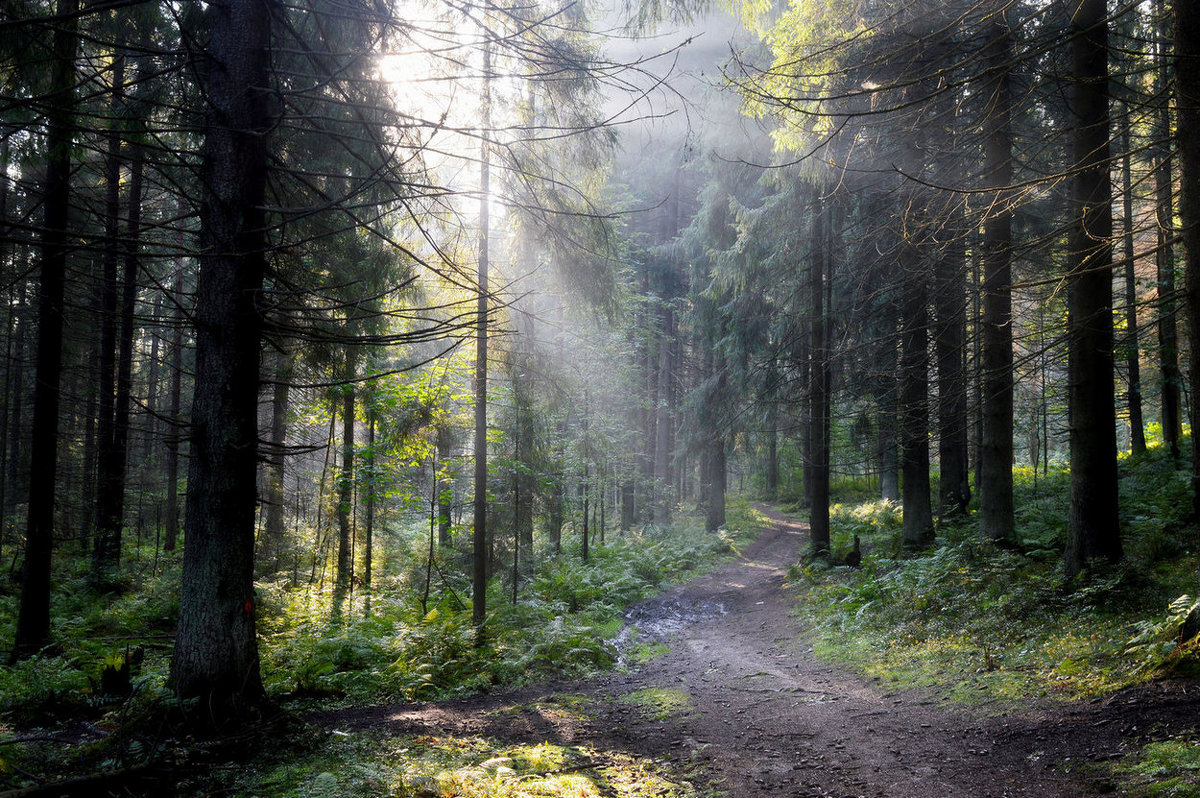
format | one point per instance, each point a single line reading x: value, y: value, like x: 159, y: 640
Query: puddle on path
x: 658, y: 621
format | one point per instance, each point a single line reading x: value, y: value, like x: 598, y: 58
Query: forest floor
x: 762, y: 716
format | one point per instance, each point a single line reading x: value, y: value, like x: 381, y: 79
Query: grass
x: 564, y: 623
x: 984, y: 626
x: 988, y: 624
x: 641, y: 653
x: 428, y: 766
x: 1164, y: 769
x: 660, y: 703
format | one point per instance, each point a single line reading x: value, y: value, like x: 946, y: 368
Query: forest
x: 369, y: 351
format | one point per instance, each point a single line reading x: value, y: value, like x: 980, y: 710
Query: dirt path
x: 769, y: 720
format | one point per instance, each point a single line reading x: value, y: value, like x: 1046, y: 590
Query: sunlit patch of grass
x: 660, y: 703
x: 635, y: 777
x: 641, y: 653
x: 743, y: 523
x: 1164, y: 768
x: 461, y: 767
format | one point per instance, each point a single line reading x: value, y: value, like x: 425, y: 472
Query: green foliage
x: 1166, y: 643
x: 1162, y: 769
x: 881, y: 518
x: 41, y: 686
x: 641, y: 653
x: 742, y: 517
x: 90, y: 630
x: 987, y: 622
x: 660, y: 703
x: 565, y: 621
x: 349, y: 764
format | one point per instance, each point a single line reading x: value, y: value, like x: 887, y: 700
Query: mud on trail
x: 768, y: 719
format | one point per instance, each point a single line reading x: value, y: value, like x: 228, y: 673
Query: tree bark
x: 371, y: 501
x: 106, y: 545
x: 216, y: 651
x: 914, y: 402
x: 917, y: 531
x: 995, y: 476
x: 445, y: 486
x: 1187, y: 87
x: 1092, y: 520
x: 270, y: 544
x: 175, y: 413
x: 772, y: 422
x: 114, y: 461
x: 33, y: 615
x: 479, y: 538
x: 664, y: 423
x: 1168, y: 333
x: 524, y: 482
x: 817, y: 459
x: 16, y: 478
x: 1133, y: 369
x: 888, y: 398
x: 950, y: 335
x: 714, y: 507
x: 345, y: 510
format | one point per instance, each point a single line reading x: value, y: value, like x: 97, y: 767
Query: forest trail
x: 768, y: 719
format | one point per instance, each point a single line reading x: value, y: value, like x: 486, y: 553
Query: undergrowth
x: 563, y: 623
x: 1163, y: 769
x: 982, y: 623
x: 361, y: 764
x: 409, y: 645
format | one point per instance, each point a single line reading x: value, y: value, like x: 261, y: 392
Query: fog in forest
x: 363, y: 350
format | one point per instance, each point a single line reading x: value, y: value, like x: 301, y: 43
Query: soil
x: 768, y: 719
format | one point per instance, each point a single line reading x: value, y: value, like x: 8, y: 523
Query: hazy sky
x: 693, y: 101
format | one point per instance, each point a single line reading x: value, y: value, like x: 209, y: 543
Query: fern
x: 1159, y: 644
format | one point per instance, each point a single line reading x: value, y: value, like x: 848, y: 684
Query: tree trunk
x: 270, y: 543
x: 1168, y: 337
x: 817, y: 457
x: 887, y: 391
x: 147, y: 455
x: 479, y: 538
x: 950, y: 337
x: 584, y: 538
x: 33, y: 618
x: 114, y: 462
x: 109, y: 474
x: 1133, y: 370
x: 216, y: 651
x: 995, y: 476
x: 664, y: 424
x: 122, y: 410
x: 7, y: 395
x: 714, y: 506
x: 16, y: 478
x: 554, y: 511
x: 445, y: 486
x: 772, y: 466
x: 917, y: 531
x: 174, y: 412
x: 524, y: 482
x: 345, y: 510
x: 369, y: 532
x: 1187, y: 87
x: 914, y: 402
x: 1092, y: 521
